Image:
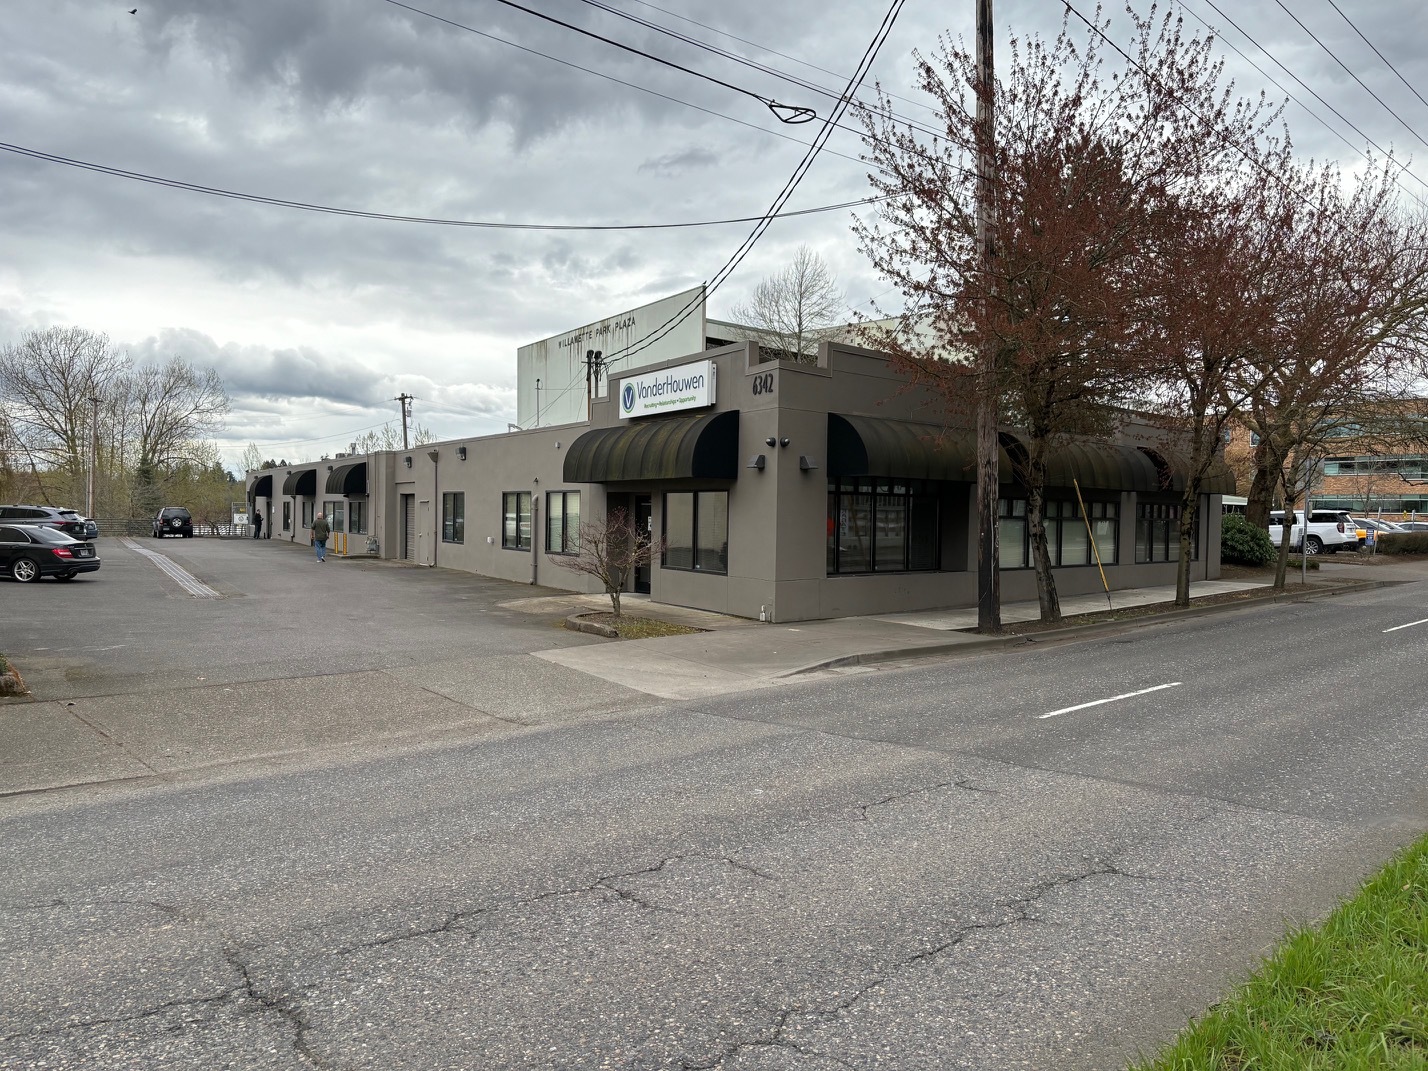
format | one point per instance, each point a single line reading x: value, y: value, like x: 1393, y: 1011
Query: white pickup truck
x: 1329, y: 530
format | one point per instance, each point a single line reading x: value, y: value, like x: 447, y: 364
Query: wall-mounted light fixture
x: 770, y: 441
x: 757, y: 462
x: 408, y: 461
x: 806, y: 463
x: 783, y: 441
x: 461, y: 452
x: 329, y: 468
x: 433, y: 454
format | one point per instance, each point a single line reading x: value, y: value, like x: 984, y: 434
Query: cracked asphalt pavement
x: 907, y: 868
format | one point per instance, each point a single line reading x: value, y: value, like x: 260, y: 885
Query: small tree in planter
x: 609, y: 550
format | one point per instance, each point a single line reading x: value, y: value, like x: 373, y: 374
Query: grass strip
x: 1349, y: 995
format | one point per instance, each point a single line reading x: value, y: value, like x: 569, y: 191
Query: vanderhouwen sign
x: 690, y: 386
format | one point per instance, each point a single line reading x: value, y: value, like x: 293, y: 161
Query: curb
x: 577, y: 623
x: 977, y: 643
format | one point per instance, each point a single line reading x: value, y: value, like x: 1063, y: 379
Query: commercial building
x: 779, y: 490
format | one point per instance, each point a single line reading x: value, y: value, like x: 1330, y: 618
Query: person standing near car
x: 320, y: 532
x: 257, y: 524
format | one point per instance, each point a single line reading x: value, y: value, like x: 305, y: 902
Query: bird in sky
x: 133, y: 11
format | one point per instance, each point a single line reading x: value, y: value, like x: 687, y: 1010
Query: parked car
x: 30, y: 551
x: 67, y: 521
x: 1413, y: 526
x: 91, y: 527
x: 173, y: 520
x: 1329, y: 530
x: 1376, y: 524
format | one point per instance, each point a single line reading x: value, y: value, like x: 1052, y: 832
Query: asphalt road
x: 904, y: 868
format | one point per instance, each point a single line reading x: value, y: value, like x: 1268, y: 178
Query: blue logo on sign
x: 627, y: 398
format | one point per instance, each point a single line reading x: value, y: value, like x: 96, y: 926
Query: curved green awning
x: 349, y: 479
x: 665, y: 448
x: 1174, y: 470
x: 262, y: 487
x: 880, y: 446
x: 303, y: 482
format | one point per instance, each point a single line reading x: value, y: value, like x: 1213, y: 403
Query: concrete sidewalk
x: 738, y: 657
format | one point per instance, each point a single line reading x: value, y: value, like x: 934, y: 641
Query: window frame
x: 517, y: 545
x: 882, y: 498
x: 357, y: 516
x: 453, y: 517
x: 1056, y: 513
x: 307, y: 512
x: 696, y: 551
x: 569, y: 541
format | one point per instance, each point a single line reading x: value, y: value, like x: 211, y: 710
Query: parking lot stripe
x: 1409, y: 625
x: 186, y: 580
x: 1112, y: 699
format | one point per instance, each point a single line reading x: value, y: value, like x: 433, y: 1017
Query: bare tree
x: 795, y: 309
x: 610, y: 550
x: 47, y: 381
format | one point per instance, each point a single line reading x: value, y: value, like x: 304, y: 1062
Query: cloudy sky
x: 316, y: 322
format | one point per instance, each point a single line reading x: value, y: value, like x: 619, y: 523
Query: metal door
x: 409, y: 528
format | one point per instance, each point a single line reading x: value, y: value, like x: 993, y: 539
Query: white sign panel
x: 690, y: 386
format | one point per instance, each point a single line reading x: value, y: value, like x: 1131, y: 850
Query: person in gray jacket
x: 320, y: 532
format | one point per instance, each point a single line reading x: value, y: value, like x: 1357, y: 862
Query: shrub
x: 1242, y: 543
x: 1402, y: 542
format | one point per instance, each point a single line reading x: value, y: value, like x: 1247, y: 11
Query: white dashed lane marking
x: 186, y: 580
x: 1409, y: 625
x: 1112, y: 699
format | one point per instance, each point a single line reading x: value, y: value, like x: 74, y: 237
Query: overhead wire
x: 1402, y: 168
x: 1352, y: 73
x: 677, y: 35
x: 771, y: 51
x: 1229, y: 143
x: 784, y: 113
x: 1387, y: 62
x: 282, y: 202
x: 864, y: 64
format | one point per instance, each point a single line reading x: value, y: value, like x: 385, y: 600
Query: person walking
x: 320, y: 532
x: 257, y: 524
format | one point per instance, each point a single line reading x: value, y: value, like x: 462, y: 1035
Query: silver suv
x: 1329, y: 530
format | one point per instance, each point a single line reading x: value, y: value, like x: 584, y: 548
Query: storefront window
x: 882, y: 526
x: 1157, y: 533
x: 562, y: 522
x: 516, y: 520
x: 696, y: 531
x: 307, y: 513
x: 357, y: 518
x: 1067, y: 541
x: 336, y: 515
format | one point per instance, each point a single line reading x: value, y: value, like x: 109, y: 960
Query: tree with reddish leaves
x: 1089, y: 168
x: 1349, y: 347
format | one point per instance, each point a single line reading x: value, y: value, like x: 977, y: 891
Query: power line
x: 802, y: 83
x: 784, y: 113
x: 1377, y: 53
x: 864, y: 64
x: 771, y: 51
x: 281, y: 202
x: 1175, y: 99
x: 1351, y: 73
x: 1402, y: 168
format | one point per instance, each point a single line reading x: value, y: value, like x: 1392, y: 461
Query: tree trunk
x: 1261, y: 491
x: 615, y: 600
x: 1046, y: 596
x: 1189, y: 505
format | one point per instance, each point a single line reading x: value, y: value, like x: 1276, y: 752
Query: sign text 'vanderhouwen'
x: 690, y: 386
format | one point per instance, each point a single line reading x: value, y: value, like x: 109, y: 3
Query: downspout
x: 438, y: 512
x: 535, y: 534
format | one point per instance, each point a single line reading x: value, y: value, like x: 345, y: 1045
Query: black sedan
x: 28, y: 552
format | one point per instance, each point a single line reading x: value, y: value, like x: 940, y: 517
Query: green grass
x: 641, y: 628
x: 1351, y: 995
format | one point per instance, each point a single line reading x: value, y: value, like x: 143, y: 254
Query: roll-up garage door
x: 409, y: 527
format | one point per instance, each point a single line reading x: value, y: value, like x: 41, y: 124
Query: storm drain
x: 186, y: 580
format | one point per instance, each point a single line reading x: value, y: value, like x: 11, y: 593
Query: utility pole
x: 989, y: 586
x: 93, y: 455
x: 405, y: 399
